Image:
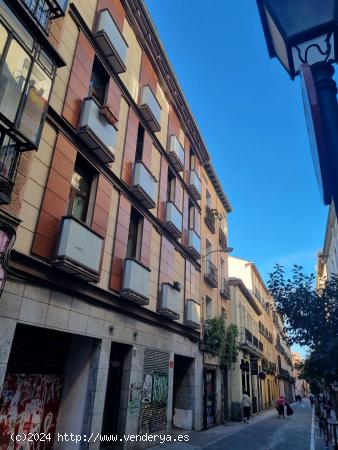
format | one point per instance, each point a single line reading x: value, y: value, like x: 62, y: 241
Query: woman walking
x: 246, y: 402
x: 280, y: 406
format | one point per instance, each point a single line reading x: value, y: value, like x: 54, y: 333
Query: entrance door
x: 112, y: 407
x: 210, y: 400
x: 225, y: 395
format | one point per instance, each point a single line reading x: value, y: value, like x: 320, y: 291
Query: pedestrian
x: 246, y: 403
x: 280, y: 406
x: 312, y: 400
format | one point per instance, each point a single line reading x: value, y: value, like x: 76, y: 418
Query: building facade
x: 103, y: 212
x: 327, y: 260
x: 301, y: 386
x: 259, y: 369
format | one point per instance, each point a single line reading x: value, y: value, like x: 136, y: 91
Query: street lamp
x: 303, y: 35
x: 220, y: 250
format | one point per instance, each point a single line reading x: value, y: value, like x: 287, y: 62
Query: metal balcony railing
x: 194, y: 244
x: 195, y: 185
x: 135, y: 282
x: 225, y: 288
x: 223, y: 242
x: 44, y: 11
x: 79, y: 249
x: 210, y: 273
x: 111, y: 41
x: 210, y: 220
x: 143, y: 185
x: 176, y: 153
x: 150, y: 108
x: 97, y: 133
x: 173, y: 221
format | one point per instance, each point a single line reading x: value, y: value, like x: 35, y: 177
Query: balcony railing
x: 225, y: 288
x: 194, y: 185
x: 194, y: 244
x: 150, y: 108
x: 96, y: 131
x: 173, y: 221
x: 176, y: 153
x: 135, y: 282
x: 192, y: 314
x: 9, y: 160
x: 45, y: 10
x: 250, y: 342
x: 111, y: 41
x: 79, y: 249
x: 210, y: 273
x: 210, y: 220
x: 223, y: 242
x: 169, y: 302
x: 143, y: 185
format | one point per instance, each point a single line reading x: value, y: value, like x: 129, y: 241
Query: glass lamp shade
x: 299, y: 31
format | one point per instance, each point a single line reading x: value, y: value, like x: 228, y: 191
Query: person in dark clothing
x: 246, y: 402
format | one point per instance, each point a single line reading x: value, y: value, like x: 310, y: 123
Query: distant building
x: 301, y: 386
x: 327, y: 262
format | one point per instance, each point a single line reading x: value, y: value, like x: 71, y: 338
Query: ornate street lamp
x: 303, y: 35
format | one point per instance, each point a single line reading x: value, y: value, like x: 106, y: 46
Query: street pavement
x: 264, y: 432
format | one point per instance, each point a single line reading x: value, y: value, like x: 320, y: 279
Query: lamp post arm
x: 221, y: 250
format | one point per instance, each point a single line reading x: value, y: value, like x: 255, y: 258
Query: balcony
x: 169, y: 302
x: 176, y: 153
x: 45, y: 10
x: 143, y: 185
x: 249, y: 342
x: 210, y: 274
x: 192, y: 314
x: 111, y: 41
x: 194, y: 244
x: 210, y: 220
x: 194, y: 185
x: 225, y: 289
x: 94, y: 130
x: 150, y: 109
x: 223, y: 242
x: 79, y: 249
x: 9, y: 160
x: 173, y: 220
x: 135, y: 283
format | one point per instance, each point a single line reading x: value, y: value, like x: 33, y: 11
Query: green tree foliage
x: 311, y: 318
x: 221, y: 340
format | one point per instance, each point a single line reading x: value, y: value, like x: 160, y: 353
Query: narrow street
x: 265, y: 432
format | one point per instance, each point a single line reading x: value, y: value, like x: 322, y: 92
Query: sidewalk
x: 200, y: 439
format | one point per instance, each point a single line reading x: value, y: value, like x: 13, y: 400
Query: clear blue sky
x: 252, y: 120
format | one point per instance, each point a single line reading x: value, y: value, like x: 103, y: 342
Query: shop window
x: 135, y: 235
x: 99, y: 82
x: 81, y: 190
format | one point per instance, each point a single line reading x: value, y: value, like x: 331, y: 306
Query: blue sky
x: 252, y: 120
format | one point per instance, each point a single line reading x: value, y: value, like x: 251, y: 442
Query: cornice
x: 145, y: 30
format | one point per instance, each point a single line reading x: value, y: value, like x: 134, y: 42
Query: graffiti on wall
x: 153, y: 412
x: 29, y: 404
x: 134, y: 399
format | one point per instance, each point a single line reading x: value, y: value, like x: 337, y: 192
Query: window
x: 208, y: 250
x: 222, y: 268
x: 191, y: 219
x: 223, y: 313
x: 135, y: 235
x: 208, y: 307
x: 171, y: 186
x: 208, y: 198
x: 13, y: 78
x: 139, y: 143
x: 80, y: 190
x: 192, y: 160
x: 8, y: 159
x: 98, y: 82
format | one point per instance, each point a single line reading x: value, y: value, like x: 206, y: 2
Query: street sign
x: 316, y: 133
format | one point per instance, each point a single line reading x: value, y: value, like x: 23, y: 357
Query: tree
x: 311, y: 318
x: 221, y: 340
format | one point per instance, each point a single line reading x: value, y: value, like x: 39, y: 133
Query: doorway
x: 183, y: 392
x: 210, y: 397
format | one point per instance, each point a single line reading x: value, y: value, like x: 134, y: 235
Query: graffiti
x: 29, y: 404
x: 134, y: 399
x: 147, y: 388
x: 160, y: 388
